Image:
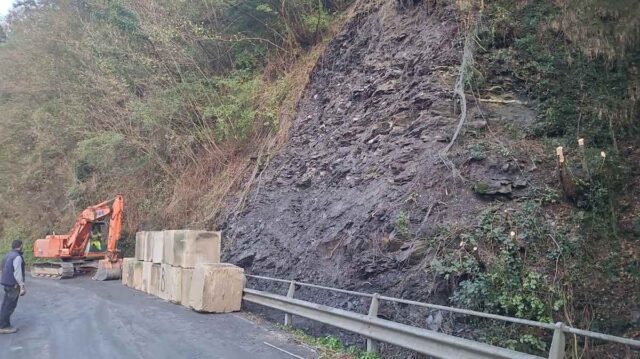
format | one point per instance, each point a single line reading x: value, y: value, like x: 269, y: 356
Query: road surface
x: 81, y: 318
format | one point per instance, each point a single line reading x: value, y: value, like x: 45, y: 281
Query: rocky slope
x: 363, y: 159
x: 368, y: 128
x: 362, y: 196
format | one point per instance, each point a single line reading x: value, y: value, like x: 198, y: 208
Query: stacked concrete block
x: 187, y: 275
x: 170, y: 283
x: 140, y: 245
x: 136, y: 283
x: 157, y: 247
x: 146, y: 276
x: 183, y: 266
x: 149, y: 240
x: 127, y: 271
x: 154, y: 280
x: 216, y: 288
x: 187, y: 248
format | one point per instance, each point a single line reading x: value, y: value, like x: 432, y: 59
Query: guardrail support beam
x: 288, y: 318
x: 558, y: 343
x: 372, y: 345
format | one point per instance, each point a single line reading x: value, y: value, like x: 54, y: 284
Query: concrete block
x: 168, y: 237
x: 187, y: 248
x: 148, y: 247
x: 157, y: 247
x: 127, y: 271
x: 136, y: 282
x: 140, y: 245
x: 146, y: 276
x: 154, y: 282
x: 187, y: 275
x: 216, y: 288
x: 170, y: 287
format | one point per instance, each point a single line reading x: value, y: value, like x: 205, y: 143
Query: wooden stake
x: 568, y: 186
x: 560, y: 155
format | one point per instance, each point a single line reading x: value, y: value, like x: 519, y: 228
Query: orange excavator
x: 83, y: 249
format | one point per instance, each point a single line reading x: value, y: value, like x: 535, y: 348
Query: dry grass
x: 202, y: 196
x: 596, y: 37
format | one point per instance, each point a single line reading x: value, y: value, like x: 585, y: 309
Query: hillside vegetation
x: 326, y: 139
x: 164, y: 102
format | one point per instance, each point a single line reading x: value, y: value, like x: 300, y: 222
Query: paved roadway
x: 81, y: 318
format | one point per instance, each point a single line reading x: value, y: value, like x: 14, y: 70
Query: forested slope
x: 165, y: 102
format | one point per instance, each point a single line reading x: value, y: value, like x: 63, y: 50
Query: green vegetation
x: 402, y: 225
x: 155, y: 100
x: 494, y: 260
x: 477, y: 152
x: 545, y: 259
x: 16, y: 233
x: 580, y: 61
x: 330, y: 347
x: 586, y: 79
x: 507, y: 264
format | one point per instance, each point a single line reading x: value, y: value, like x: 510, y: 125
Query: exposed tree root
x: 458, y: 90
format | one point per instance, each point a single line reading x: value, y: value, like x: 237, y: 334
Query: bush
x: 17, y: 232
x: 97, y: 153
x: 491, y: 270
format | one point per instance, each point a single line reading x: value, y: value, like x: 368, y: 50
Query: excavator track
x: 53, y: 270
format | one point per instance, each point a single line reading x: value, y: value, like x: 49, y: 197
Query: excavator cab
x: 96, y: 237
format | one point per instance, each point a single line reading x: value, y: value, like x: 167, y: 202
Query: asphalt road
x: 81, y: 318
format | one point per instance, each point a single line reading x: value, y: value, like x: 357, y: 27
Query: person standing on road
x: 13, y: 282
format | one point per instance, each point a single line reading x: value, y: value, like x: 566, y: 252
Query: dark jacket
x: 7, y: 278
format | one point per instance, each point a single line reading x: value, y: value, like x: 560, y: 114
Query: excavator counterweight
x: 83, y: 250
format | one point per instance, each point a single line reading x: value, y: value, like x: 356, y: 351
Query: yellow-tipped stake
x: 560, y: 155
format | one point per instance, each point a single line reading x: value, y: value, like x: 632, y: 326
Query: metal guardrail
x: 417, y: 339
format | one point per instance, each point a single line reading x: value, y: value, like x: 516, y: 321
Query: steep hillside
x: 364, y: 142
x: 363, y: 197
x: 163, y: 102
x: 406, y: 147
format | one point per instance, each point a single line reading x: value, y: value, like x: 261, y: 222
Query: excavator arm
x: 79, y: 235
x: 115, y: 228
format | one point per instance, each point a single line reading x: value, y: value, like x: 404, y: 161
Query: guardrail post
x: 372, y: 345
x: 288, y: 318
x: 558, y: 343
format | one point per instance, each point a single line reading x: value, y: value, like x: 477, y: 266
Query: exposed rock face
x: 365, y: 139
x: 355, y: 197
